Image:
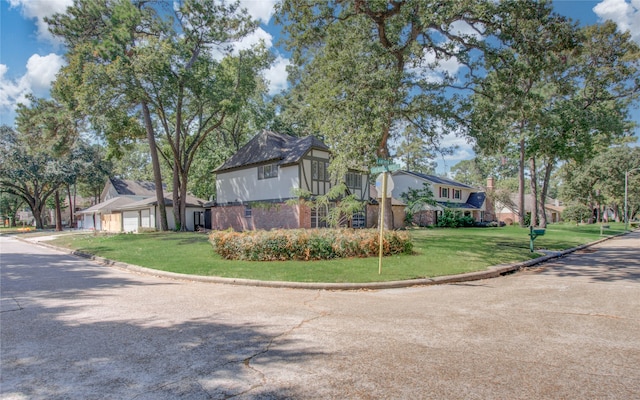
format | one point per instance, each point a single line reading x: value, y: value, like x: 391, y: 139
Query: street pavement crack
x: 247, y: 361
x: 10, y: 304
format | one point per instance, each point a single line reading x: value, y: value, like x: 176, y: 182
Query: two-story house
x: 254, y: 185
x: 447, y: 193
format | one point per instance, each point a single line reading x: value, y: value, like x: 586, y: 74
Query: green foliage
x: 364, y: 73
x: 40, y: 157
x: 300, y: 244
x: 553, y: 92
x: 600, y: 180
x: 9, y: 206
x: 576, y: 213
x: 416, y: 200
x: 454, y: 219
x: 339, y: 207
x: 164, y: 71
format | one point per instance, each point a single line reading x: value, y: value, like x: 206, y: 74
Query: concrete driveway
x: 74, y: 329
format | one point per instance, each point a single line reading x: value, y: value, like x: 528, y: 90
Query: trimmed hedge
x: 307, y: 244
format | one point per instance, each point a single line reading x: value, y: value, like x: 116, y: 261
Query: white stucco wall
x: 244, y: 185
x: 402, y: 182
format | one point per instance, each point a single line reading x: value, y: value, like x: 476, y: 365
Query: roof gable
x: 126, y: 187
x: 271, y: 146
x: 436, y: 180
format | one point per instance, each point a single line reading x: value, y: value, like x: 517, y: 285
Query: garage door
x: 145, y: 222
x: 130, y: 221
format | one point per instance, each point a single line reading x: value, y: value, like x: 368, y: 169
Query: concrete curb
x: 491, y: 272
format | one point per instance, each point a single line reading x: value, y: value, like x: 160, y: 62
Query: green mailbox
x: 533, y: 234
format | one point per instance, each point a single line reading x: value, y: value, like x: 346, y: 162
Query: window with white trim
x: 444, y: 193
x: 456, y: 193
x: 268, y: 171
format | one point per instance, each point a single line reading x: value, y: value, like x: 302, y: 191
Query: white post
x: 626, y: 219
x: 381, y: 238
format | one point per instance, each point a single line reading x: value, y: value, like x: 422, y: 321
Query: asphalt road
x: 73, y: 329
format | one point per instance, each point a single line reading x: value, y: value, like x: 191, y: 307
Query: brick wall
x: 276, y: 216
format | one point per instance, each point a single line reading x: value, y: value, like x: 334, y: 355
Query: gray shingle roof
x: 476, y: 199
x: 464, y: 206
x: 439, y: 180
x: 271, y: 146
x: 133, y: 188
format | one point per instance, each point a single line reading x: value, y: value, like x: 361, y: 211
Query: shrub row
x: 303, y: 244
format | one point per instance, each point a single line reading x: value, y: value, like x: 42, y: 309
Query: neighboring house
x: 127, y: 206
x: 507, y: 211
x: 106, y: 215
x: 447, y: 193
x: 144, y: 214
x: 254, y: 184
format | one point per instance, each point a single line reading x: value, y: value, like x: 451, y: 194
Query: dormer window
x: 353, y: 180
x: 268, y: 171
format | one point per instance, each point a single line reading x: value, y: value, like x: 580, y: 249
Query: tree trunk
x: 71, y: 206
x: 58, y: 211
x: 534, y: 192
x: 176, y: 196
x: 545, y: 189
x: 37, y: 215
x: 521, y: 210
x: 183, y: 203
x: 157, y: 175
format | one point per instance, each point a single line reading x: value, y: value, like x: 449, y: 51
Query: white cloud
x: 463, y: 151
x: 626, y: 14
x: 253, y: 39
x: 464, y: 28
x: 41, y: 71
x: 434, y: 70
x: 277, y: 75
x: 261, y: 10
x: 38, y: 9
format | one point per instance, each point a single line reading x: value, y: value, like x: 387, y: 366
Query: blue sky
x: 30, y: 57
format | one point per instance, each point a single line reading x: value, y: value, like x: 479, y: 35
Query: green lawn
x: 437, y: 252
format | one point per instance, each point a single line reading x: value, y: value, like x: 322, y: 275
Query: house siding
x: 402, y: 183
x: 243, y: 185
